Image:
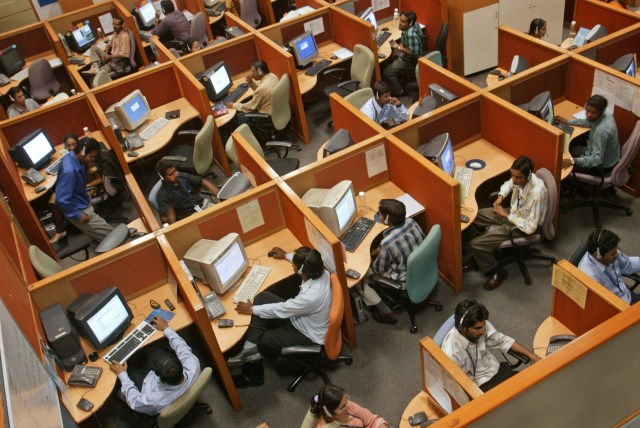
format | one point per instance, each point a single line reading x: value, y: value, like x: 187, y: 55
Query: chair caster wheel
x: 439, y: 308
x: 208, y: 410
x: 298, y: 148
x: 413, y: 330
x: 291, y: 389
x: 349, y: 362
x: 629, y: 212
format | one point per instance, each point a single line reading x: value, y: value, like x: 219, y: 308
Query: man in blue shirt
x: 406, y: 52
x: 605, y: 263
x: 384, y: 109
x: 71, y: 190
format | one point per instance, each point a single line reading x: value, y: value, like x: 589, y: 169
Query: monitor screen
x: 345, y: 209
x: 33, y: 151
x: 229, y: 263
x: 112, y: 313
x: 220, y: 79
x: 626, y: 64
x: 11, y: 61
x: 369, y: 16
x: 336, y: 207
x: 304, y: 49
x: 133, y: 110
x: 147, y: 13
x: 631, y: 70
x: 83, y: 37
x: 447, y: 161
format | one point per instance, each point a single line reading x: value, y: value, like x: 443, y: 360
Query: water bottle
x: 396, y: 18
x: 86, y: 131
x: 572, y: 29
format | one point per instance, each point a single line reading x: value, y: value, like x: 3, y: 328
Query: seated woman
x: 538, y: 28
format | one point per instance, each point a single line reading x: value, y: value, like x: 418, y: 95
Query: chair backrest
x: 622, y: 171
x: 249, y: 12
x: 422, y: 267
x: 362, y: 65
x: 245, y: 131
x: 202, y: 151
x: 333, y: 339
x: 280, y: 110
x: 175, y: 52
x: 132, y: 51
x: 441, y: 40
x: 360, y: 97
x: 438, y: 338
x: 174, y: 412
x: 433, y: 56
x: 548, y: 229
x: 199, y: 30
x: 578, y: 253
x: 42, y: 80
x: 43, y: 264
x: 101, y: 78
x: 153, y: 195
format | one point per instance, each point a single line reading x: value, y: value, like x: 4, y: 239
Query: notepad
x: 582, y: 114
x: 343, y: 53
x: 412, y: 206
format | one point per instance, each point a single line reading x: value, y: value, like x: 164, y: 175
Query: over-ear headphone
x: 84, y: 150
x: 377, y: 95
x: 11, y: 98
x: 161, y: 176
x: 536, y: 29
x: 598, y: 253
x: 302, y: 266
x: 464, y: 315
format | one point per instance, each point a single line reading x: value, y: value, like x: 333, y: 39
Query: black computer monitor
x: 369, y: 16
x: 340, y: 140
x: 542, y: 106
x: 217, y: 81
x: 11, y: 61
x: 304, y: 49
x: 441, y: 95
x: 82, y: 37
x: 32, y: 151
x: 626, y: 64
x: 439, y: 150
x: 234, y: 186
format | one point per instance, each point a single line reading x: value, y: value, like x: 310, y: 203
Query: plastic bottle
x: 572, y: 29
x: 396, y: 18
x: 86, y: 131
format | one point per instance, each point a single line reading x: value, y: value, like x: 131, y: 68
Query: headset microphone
x: 84, y: 150
x: 598, y: 253
x: 161, y: 177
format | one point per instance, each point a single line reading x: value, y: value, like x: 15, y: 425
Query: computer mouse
x: 132, y: 154
x: 381, y: 55
x: 93, y: 356
x: 243, y: 85
x: 475, y: 165
x: 271, y: 253
x: 334, y: 57
x: 384, y: 29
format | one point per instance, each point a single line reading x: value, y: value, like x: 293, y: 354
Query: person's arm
x: 516, y: 347
x: 628, y: 265
x: 165, y: 207
x: 124, y: 46
x: 412, y: 44
x: 368, y: 109
x: 382, y: 262
x: 399, y: 112
x: 209, y: 186
x: 575, y: 122
x: 599, y: 139
x: 64, y: 195
x: 183, y: 351
x: 303, y: 304
x: 369, y: 420
x: 259, y: 96
x: 134, y: 398
x: 162, y: 27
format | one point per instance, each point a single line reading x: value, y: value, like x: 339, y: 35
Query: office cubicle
x: 611, y: 47
x: 588, y: 13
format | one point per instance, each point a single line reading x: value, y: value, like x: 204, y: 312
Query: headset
x: 84, y: 148
x: 598, y: 253
x: 303, y: 262
x: 324, y: 408
x: 465, y: 314
x: 161, y: 176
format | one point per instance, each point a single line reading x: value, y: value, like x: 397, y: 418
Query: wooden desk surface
x: 140, y: 309
x: 385, y: 48
x: 224, y: 119
x: 492, y: 79
x: 307, y: 83
x: 549, y: 327
x: 566, y: 109
x: 420, y: 403
x: 497, y: 162
x: 162, y: 138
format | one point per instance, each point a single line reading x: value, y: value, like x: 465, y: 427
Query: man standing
x: 383, y: 108
x: 528, y: 207
x: 174, y: 26
x: 605, y: 263
x: 21, y: 104
x: 71, y: 190
x: 469, y: 344
x: 406, y: 52
x: 115, y: 57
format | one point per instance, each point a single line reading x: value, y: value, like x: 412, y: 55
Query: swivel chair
x: 249, y: 12
x: 359, y: 97
x: 618, y: 177
x: 199, y: 30
x: 413, y: 87
x: 44, y: 265
x: 362, y: 66
x: 196, y: 157
x: 317, y: 358
x: 42, y: 80
x: 132, y: 66
x: 174, y: 412
x: 422, y: 277
x: 101, y: 78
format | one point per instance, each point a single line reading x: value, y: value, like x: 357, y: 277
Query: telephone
x: 557, y: 342
x: 4, y: 79
x: 32, y: 177
x: 84, y: 376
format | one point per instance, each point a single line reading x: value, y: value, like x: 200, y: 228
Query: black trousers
x: 504, y: 372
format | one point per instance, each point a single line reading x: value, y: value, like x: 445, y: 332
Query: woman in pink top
x: 333, y: 408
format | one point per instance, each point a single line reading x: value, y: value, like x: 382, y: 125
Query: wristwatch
x: 573, y: 161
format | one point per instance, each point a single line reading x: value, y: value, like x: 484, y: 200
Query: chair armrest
x: 349, y: 85
x: 297, y: 350
x: 635, y: 278
x: 175, y: 158
x: 522, y: 359
x: 336, y: 72
x: 256, y: 115
x: 383, y: 281
x: 283, y: 144
x: 188, y: 132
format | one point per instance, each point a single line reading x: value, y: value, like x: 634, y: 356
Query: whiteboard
x: 30, y: 396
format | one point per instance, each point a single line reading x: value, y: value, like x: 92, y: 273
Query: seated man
x: 470, y: 343
x: 71, y: 190
x: 528, y: 207
x: 178, y: 197
x: 21, y: 104
x: 390, y: 258
x: 174, y: 26
x: 165, y: 378
x: 407, y: 52
x: 384, y: 109
x: 605, y: 263
x: 115, y: 57
x: 277, y: 323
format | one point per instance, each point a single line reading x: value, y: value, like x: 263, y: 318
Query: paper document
x: 56, y: 62
x: 582, y: 114
x: 21, y: 75
x: 106, y: 21
x: 412, y: 206
x: 343, y: 53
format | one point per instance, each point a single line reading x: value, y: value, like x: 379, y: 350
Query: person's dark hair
x: 393, y: 208
x: 119, y: 19
x: 190, y: 42
x: 524, y: 165
x: 70, y: 136
x: 598, y: 102
x: 162, y: 166
x: 13, y: 91
x: 87, y: 145
x: 261, y: 67
x: 381, y: 87
x: 310, y: 260
x: 536, y: 25
x: 469, y: 312
x: 167, y: 6
x: 411, y: 16
x: 326, y: 402
x: 602, y: 241
x: 170, y: 371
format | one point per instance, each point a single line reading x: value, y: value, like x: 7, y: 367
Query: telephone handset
x: 84, y: 376
x: 558, y: 341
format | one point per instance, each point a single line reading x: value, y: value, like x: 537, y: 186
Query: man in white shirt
x: 21, y: 104
x: 469, y: 344
x: 384, y: 109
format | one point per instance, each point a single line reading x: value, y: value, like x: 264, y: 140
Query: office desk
x: 549, y: 327
x: 385, y: 48
x: 49, y: 55
x: 420, y: 403
x: 226, y: 118
x: 325, y: 51
x: 162, y: 138
x: 140, y: 309
x: 492, y: 79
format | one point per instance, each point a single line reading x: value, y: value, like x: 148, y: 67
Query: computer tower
x: 442, y: 95
x: 357, y: 308
x: 232, y: 32
x: 62, y: 337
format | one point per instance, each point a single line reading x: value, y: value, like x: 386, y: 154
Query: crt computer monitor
x: 32, y: 151
x: 132, y: 111
x: 442, y: 95
x: 234, y: 186
x: 439, y: 150
x: 103, y: 318
x: 147, y: 14
x: 518, y: 65
x: 626, y: 64
x: 217, y: 81
x: 340, y: 140
x: 83, y: 37
x: 220, y: 264
x: 369, y: 16
x: 336, y: 207
x: 304, y: 49
x: 597, y: 32
x: 541, y: 106
x: 11, y: 61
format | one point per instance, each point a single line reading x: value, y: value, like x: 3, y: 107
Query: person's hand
x: 244, y: 308
x: 118, y: 368
x: 159, y: 323
x: 106, y: 58
x: 279, y: 253
x: 534, y: 358
x: 500, y: 211
x: 498, y: 201
x: 248, y: 79
x: 561, y: 120
x: 566, y: 163
x: 158, y: 15
x: 374, y: 253
x: 84, y: 218
x: 393, y: 44
x: 396, y: 102
x: 228, y: 105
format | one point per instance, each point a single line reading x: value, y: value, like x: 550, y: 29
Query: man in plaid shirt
x: 406, y: 52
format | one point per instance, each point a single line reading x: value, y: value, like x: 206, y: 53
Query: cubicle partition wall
x: 250, y: 163
x: 432, y: 14
x: 429, y: 72
x: 588, y: 13
x: 346, y: 116
x: 32, y: 41
x: 512, y: 42
x: 17, y: 244
x: 609, y: 48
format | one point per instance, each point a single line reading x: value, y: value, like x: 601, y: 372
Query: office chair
x: 176, y: 53
x: 44, y: 265
x: 101, y: 78
x: 280, y: 165
x: 153, y: 196
x: 445, y: 328
x: 132, y: 67
x: 249, y: 12
x: 174, y: 412
x: 199, y: 29
x: 359, y: 98
x: 441, y: 43
x: 316, y: 358
x: 618, y: 177
x: 413, y: 86
x: 42, y: 80
x: 580, y: 251
x: 422, y: 277
x: 75, y: 241
x: 520, y: 246
x: 196, y: 157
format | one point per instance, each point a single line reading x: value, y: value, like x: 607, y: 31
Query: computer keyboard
x: 356, y: 233
x: 54, y: 167
x: 21, y: 75
x: 130, y: 343
x: 154, y: 127
x: 235, y: 95
x: 463, y: 176
x: 382, y: 37
x: 251, y: 283
x: 317, y: 67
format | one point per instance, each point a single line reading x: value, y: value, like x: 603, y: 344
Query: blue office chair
x: 422, y: 277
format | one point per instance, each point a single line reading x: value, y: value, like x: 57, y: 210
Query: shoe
x: 495, y: 280
x: 245, y: 356
x: 58, y: 236
x: 469, y: 265
x: 241, y: 381
x: 389, y: 318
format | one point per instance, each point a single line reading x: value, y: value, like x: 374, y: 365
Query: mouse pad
x: 475, y: 164
x: 173, y: 114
